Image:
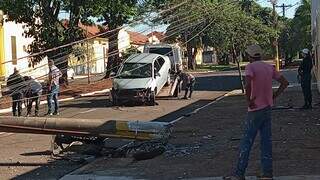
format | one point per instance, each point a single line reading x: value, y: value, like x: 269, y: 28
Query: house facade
x: 129, y: 39
x: 13, y: 51
x: 92, y: 53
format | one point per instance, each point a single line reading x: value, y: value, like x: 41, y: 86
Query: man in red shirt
x: 260, y: 97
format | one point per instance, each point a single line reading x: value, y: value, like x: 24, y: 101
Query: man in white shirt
x: 53, y: 88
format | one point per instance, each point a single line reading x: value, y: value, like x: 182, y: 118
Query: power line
x: 283, y: 6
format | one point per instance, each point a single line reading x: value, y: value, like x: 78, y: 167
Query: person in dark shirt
x: 304, y: 72
x: 33, y: 93
x: 15, y: 83
x: 188, y: 82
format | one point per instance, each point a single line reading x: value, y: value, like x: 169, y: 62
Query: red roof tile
x: 160, y: 35
x: 138, y: 38
x: 89, y: 30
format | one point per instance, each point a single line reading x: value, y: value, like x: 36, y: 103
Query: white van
x: 140, y: 78
x: 172, y: 51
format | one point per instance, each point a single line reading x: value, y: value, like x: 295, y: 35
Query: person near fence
x: 32, y: 94
x: 15, y: 83
x: 53, y: 89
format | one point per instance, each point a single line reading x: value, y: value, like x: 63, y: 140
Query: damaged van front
x: 138, y: 80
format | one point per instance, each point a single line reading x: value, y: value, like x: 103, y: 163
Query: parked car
x: 140, y: 78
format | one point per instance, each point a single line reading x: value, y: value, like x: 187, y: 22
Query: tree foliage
x: 299, y: 29
x: 228, y: 26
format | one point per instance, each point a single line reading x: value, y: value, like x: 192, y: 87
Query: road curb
x: 7, y: 110
x: 99, y: 177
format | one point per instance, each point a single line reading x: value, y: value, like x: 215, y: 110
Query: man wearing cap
x: 260, y: 98
x: 304, y: 72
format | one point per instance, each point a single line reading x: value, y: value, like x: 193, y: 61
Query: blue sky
x: 290, y: 11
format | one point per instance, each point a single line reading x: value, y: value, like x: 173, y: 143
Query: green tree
x: 300, y: 28
x: 114, y: 14
x: 226, y: 27
x: 43, y: 25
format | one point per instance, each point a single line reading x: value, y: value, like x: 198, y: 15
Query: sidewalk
x: 205, y: 145
x: 73, y: 90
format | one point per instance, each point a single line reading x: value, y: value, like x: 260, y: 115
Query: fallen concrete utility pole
x: 86, y: 127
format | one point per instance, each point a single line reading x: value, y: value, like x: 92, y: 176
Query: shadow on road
x: 40, y: 153
x: 184, y: 111
x: 17, y: 164
x: 217, y: 83
x: 51, y: 170
x: 88, y: 103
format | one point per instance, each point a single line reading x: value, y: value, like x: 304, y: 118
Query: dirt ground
x: 206, y: 144
x: 72, y: 90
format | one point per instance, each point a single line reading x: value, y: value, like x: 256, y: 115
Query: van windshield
x: 162, y: 51
x: 136, y: 70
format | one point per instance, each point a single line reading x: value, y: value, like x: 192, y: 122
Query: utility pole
x: 283, y: 6
x: 88, y: 56
x: 275, y: 43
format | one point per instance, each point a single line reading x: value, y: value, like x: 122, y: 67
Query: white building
x: 129, y: 39
x: 13, y: 52
x: 94, y: 51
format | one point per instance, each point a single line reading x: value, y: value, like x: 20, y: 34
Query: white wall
x: 17, y: 30
x: 98, y: 48
x: 13, y: 29
x: 315, y: 18
x: 123, y: 40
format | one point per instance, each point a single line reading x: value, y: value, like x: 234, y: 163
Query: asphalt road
x: 26, y: 156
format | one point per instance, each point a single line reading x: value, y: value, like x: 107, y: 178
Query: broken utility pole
x: 86, y: 127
